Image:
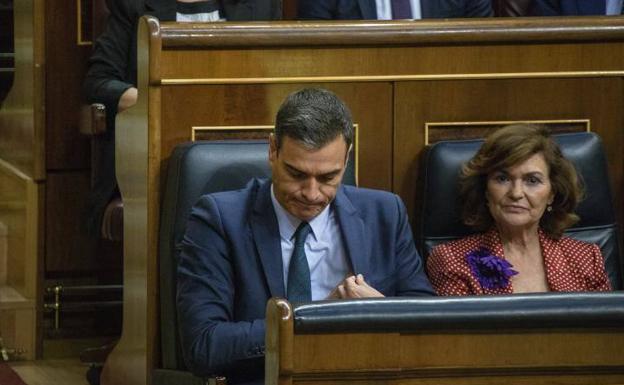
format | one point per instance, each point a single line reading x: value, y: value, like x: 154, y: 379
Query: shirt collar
x: 288, y: 223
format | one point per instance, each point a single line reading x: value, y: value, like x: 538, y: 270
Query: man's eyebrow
x: 294, y: 169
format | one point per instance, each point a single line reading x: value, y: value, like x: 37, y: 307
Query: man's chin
x: 307, y: 214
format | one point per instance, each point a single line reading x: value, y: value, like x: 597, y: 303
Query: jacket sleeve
x: 316, y: 10
x: 212, y: 342
x: 479, y: 8
x: 444, y: 279
x: 412, y: 280
x: 546, y: 8
x: 109, y: 73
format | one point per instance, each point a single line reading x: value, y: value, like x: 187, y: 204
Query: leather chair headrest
x: 440, y: 212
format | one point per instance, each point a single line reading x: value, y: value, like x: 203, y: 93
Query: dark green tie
x: 299, y: 286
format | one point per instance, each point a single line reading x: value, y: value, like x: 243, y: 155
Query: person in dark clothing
x: 112, y: 75
x: 383, y: 10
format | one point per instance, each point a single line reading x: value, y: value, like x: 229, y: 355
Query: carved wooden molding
x: 438, y: 131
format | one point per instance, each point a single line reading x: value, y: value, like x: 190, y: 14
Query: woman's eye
x: 533, y: 180
x: 501, y: 178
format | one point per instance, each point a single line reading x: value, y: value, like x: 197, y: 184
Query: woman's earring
x: 549, y: 208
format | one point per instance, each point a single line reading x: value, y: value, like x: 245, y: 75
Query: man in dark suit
x: 112, y: 75
x: 368, y: 9
x: 243, y: 247
x: 576, y: 7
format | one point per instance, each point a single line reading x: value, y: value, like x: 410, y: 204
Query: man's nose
x: 311, y: 189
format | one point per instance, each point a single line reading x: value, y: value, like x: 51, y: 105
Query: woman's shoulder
x: 453, y: 251
x: 464, y: 244
x: 576, y: 246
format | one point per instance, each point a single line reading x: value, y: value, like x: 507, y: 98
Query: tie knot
x: 302, y: 232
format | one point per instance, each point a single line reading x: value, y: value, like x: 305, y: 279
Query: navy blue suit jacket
x: 230, y: 265
x: 556, y: 8
x: 366, y: 9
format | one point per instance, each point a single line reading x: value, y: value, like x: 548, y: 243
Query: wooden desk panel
x: 185, y: 107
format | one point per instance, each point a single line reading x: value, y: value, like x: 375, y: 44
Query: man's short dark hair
x: 314, y: 117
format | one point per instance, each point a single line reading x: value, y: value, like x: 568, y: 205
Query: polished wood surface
x: 20, y: 214
x: 22, y: 168
x: 40, y: 144
x: 393, y: 32
x: 51, y: 372
x: 84, y: 259
x: 519, y: 356
x: 395, y: 76
x: 66, y: 63
x: 22, y: 115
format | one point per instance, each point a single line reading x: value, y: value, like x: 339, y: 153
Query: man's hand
x: 354, y: 287
x: 127, y: 99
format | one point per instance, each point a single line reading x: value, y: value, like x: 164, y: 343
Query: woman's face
x: 518, y: 196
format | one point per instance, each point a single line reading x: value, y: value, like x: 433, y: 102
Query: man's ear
x: 347, y: 156
x: 272, y: 147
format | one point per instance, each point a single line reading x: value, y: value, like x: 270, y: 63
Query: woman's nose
x: 516, y: 191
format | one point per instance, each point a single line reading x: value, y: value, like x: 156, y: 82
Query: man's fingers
x: 342, y: 293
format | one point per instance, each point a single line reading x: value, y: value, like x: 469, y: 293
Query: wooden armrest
x: 93, y: 119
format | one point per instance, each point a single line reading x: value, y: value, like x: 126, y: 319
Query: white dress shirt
x: 614, y: 7
x: 198, y: 17
x: 324, y: 248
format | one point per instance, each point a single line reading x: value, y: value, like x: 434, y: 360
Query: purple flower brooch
x: 492, y: 271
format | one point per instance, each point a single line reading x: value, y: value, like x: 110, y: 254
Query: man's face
x: 305, y: 180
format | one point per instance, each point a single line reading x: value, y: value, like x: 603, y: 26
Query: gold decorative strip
x: 375, y: 78
x: 80, y: 39
x: 8, y: 168
x: 260, y: 132
x: 475, y: 130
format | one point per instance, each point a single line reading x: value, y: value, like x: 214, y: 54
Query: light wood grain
x: 51, y: 372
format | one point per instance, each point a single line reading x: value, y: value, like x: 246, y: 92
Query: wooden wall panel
x: 371, y: 104
x: 69, y: 252
x: 22, y: 113
x: 67, y: 61
x: 6, y: 48
x: 387, y: 62
x: 507, y: 99
x: 18, y: 331
x: 20, y: 209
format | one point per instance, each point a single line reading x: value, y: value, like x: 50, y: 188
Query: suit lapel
x: 368, y: 9
x: 267, y: 240
x: 164, y: 10
x: 353, y: 234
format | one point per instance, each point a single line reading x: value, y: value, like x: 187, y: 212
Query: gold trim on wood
x: 199, y: 129
x: 356, y: 128
x: 10, y: 169
x: 79, y: 38
x: 429, y: 125
x: 375, y: 78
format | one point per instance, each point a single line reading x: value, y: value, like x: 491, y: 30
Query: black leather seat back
x: 440, y: 212
x: 195, y: 169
